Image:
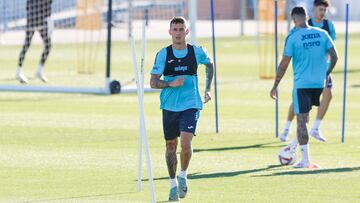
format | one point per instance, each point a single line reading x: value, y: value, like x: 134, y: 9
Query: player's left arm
x: 203, y: 57
x: 209, y: 78
x: 280, y: 74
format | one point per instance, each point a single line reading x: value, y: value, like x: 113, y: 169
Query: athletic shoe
x: 183, y: 188
x: 307, y: 165
x: 315, y: 133
x: 302, y: 164
x: 174, y: 195
x: 41, y: 76
x: 284, y: 136
x: 22, y: 78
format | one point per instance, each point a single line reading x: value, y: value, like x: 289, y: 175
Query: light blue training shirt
x: 331, y: 27
x: 308, y: 48
x: 187, y: 96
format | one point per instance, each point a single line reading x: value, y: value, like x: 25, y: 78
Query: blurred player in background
x: 38, y: 19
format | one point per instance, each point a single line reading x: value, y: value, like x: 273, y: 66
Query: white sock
x: 316, y: 125
x: 305, y: 153
x: 287, y: 125
x: 182, y: 174
x: 39, y: 68
x: 173, y: 182
x: 19, y: 70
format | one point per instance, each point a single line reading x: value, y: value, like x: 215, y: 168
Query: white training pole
x: 136, y: 75
x: 276, y: 68
x: 142, y: 116
x: 142, y: 63
x: 193, y: 18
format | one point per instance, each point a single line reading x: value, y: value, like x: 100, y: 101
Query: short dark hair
x: 325, y: 3
x: 299, y: 10
x: 178, y: 20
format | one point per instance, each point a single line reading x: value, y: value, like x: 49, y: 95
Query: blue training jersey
x: 321, y: 25
x: 184, y: 97
x: 308, y: 48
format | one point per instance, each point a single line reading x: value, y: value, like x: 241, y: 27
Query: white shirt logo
x: 190, y: 127
x: 170, y: 61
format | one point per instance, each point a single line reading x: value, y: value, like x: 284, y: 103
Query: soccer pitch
x: 83, y: 148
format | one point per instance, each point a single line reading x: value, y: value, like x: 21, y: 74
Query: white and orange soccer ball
x: 287, y: 156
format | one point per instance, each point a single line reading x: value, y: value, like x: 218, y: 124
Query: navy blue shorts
x: 305, y: 98
x: 175, y: 122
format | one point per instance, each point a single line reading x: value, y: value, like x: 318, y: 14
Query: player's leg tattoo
x: 302, y: 132
x: 209, y: 75
x: 171, y: 158
x: 47, y: 45
x: 27, y: 43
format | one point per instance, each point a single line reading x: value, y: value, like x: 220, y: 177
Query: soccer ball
x: 287, y: 156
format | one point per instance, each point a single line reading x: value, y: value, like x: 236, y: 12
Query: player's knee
x: 186, y: 147
x: 171, y: 145
x: 186, y: 140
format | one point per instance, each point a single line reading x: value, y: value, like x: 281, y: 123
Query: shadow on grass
x: 230, y: 174
x: 316, y: 171
x: 356, y: 86
x: 348, y: 71
x: 194, y: 176
x: 80, y: 197
x: 263, y: 145
x: 9, y: 79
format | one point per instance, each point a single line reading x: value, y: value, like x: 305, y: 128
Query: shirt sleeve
x: 288, y: 49
x: 159, y: 64
x: 329, y: 42
x: 201, y: 54
x: 332, y: 31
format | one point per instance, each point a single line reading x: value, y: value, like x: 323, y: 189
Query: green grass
x: 83, y: 148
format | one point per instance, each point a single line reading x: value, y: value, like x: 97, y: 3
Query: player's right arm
x: 157, y: 71
x: 287, y: 55
x: 157, y: 83
x: 280, y: 74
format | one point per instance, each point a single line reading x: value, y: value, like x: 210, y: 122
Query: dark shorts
x: 175, y: 122
x: 329, y: 83
x: 305, y: 98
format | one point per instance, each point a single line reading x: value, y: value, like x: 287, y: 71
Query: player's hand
x: 207, y: 96
x: 273, y: 93
x: 177, y: 82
